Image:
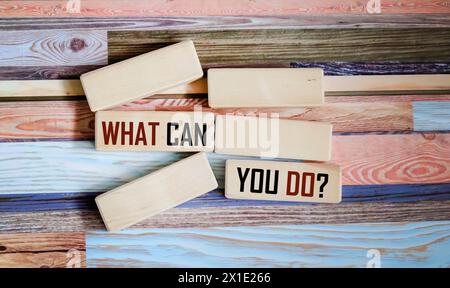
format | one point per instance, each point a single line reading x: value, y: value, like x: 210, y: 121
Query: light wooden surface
x: 272, y: 137
x: 141, y: 76
x: 154, y: 131
x: 264, y: 87
x: 283, y: 181
x: 150, y: 195
x: 333, y: 85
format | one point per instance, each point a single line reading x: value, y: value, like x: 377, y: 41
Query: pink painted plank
x: 136, y: 8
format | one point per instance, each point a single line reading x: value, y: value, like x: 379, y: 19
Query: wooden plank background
x: 393, y: 148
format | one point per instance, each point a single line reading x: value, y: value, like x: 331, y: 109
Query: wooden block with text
x: 273, y: 137
x: 141, y: 76
x: 154, y: 131
x: 265, y: 87
x: 156, y: 192
x: 283, y: 181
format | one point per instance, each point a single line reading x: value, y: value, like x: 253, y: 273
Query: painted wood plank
x: 53, y: 48
x: 28, y: 120
x: 45, y: 167
x: 111, y: 8
x: 431, y: 116
x: 39, y: 250
x: 117, y: 23
x: 419, y: 244
x: 376, y: 68
x: 398, y: 193
x: 83, y: 220
x: 244, y: 47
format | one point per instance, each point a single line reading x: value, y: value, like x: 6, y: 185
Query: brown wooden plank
x: 280, y: 47
x: 59, y: 221
x: 52, y: 250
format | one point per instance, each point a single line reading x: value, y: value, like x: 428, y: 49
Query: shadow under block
x: 154, y: 131
x: 265, y: 87
x: 273, y: 138
x: 141, y: 76
x: 283, y: 181
x: 156, y: 192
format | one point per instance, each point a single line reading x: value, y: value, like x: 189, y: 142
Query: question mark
x: 324, y: 183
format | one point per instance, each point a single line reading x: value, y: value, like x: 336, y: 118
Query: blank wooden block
x: 265, y: 87
x: 154, y: 131
x: 273, y: 137
x: 141, y: 76
x: 283, y: 181
x: 156, y: 192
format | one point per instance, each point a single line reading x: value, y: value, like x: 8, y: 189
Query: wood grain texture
x: 82, y: 220
x: 44, y: 72
x: 280, y: 47
x: 399, y: 193
x: 53, y: 48
x: 421, y: 244
x: 28, y: 120
x: 111, y: 8
x: 376, y: 68
x: 38, y: 250
x: 431, y: 116
x: 44, y: 167
x: 393, y: 159
x: 227, y: 22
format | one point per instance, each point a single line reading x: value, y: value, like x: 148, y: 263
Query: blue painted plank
x: 376, y: 68
x: 417, y: 244
x: 431, y: 116
x: 400, y: 193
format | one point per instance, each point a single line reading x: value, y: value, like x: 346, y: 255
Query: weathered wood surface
x: 51, y: 250
x: 137, y: 8
x: 431, y: 116
x: 85, y: 220
x: 29, y: 120
x: 400, y: 193
x: 280, y: 47
x: 421, y: 244
x: 53, y: 48
x: 227, y: 22
x: 44, y: 72
x: 376, y: 68
x: 44, y: 167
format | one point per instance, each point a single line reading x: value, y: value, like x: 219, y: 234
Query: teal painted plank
x: 75, y: 166
x: 416, y: 244
x: 431, y: 116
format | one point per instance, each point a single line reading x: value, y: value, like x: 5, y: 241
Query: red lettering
x: 153, y: 125
x: 128, y: 133
x: 311, y: 186
x: 288, y: 188
x: 140, y: 135
x: 110, y: 132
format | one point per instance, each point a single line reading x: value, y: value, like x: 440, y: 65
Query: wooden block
x: 156, y: 192
x: 273, y: 137
x: 265, y: 87
x: 154, y: 131
x: 142, y: 76
x: 283, y: 181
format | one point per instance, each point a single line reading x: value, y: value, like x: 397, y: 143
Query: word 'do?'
x: 283, y: 181
x: 154, y: 131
